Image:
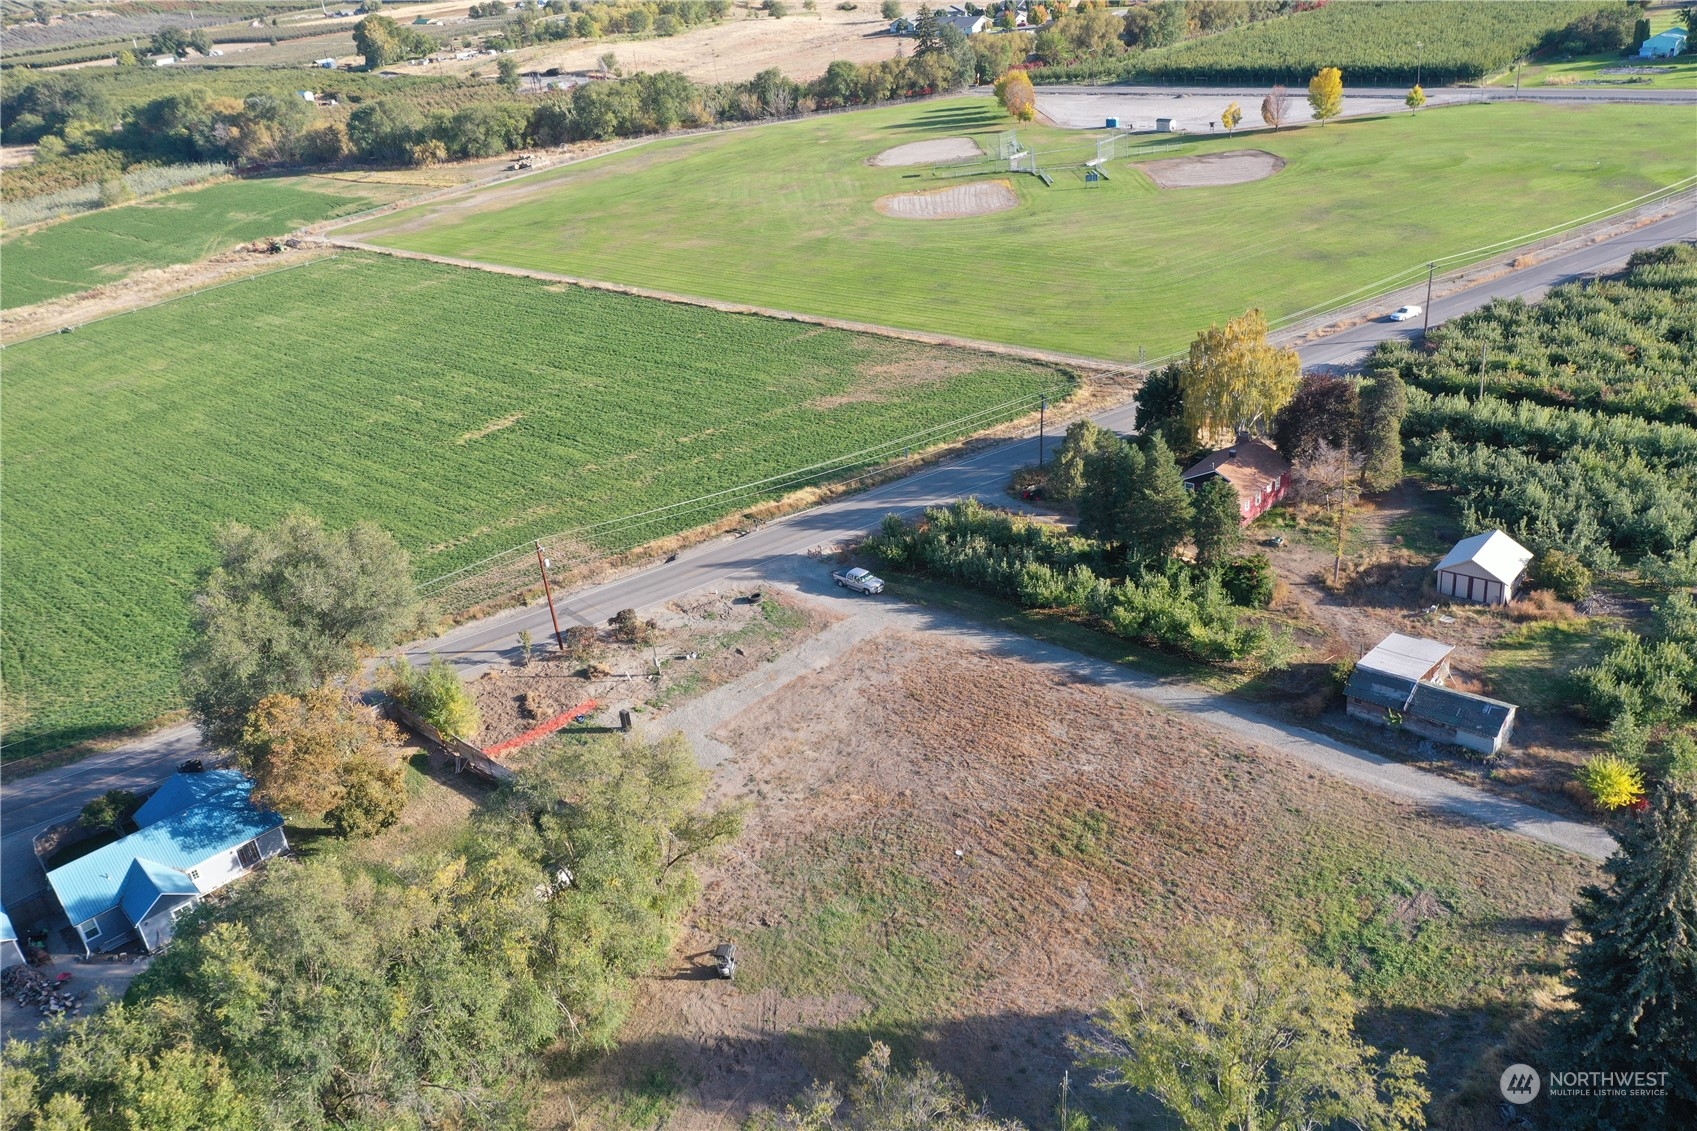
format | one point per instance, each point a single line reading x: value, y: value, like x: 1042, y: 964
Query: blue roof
x: 179, y: 791
x: 186, y: 839
x: 7, y: 933
x: 148, y: 881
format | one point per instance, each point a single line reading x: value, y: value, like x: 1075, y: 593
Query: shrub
x: 1681, y: 760
x: 110, y: 810
x: 1249, y: 581
x: 583, y: 643
x: 628, y: 628
x: 1651, y: 681
x: 1563, y: 573
x: 436, y: 695
x: 113, y: 190
x: 1613, y: 782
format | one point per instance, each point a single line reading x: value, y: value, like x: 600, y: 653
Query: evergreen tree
x: 1384, y: 402
x: 1217, y: 527
x: 1160, y: 407
x: 1158, y: 518
x: 1066, y: 475
x: 1635, y: 981
x: 1111, y: 478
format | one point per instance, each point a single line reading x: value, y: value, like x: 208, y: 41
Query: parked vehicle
x: 859, y: 580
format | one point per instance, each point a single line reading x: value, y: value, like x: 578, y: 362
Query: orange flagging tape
x: 544, y: 730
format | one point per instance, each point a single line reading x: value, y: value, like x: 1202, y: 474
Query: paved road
x: 29, y: 804
x: 1347, y: 348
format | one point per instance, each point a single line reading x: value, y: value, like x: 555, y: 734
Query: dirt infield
x: 930, y: 152
x: 979, y: 199
x: 1236, y: 167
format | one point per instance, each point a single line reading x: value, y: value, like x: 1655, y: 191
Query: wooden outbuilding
x: 1485, y: 569
x: 1400, y: 684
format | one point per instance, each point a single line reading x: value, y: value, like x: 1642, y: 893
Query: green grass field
x: 782, y: 216
x: 1589, y: 70
x: 180, y: 227
x: 464, y: 411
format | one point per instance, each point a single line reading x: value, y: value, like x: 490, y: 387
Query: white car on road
x: 1403, y: 314
x: 859, y: 580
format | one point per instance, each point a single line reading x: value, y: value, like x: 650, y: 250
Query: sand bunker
x: 978, y: 199
x: 1233, y: 168
x: 930, y: 152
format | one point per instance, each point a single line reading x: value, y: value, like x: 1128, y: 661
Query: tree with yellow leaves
x: 321, y: 754
x: 1416, y: 98
x: 1325, y: 93
x: 1232, y: 115
x: 1017, y: 96
x: 1235, y: 381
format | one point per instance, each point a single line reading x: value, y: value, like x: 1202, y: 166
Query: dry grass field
x: 959, y: 853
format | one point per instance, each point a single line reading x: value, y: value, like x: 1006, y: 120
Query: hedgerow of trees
x: 92, y: 129
x: 1194, y: 612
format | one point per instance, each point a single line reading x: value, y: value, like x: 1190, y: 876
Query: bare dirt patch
x: 980, y: 199
x: 698, y: 642
x: 956, y: 851
x: 802, y: 45
x: 145, y: 288
x: 930, y: 152
x: 1239, y: 166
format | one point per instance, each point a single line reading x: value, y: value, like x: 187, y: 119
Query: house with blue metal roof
x: 10, y: 953
x: 197, y: 832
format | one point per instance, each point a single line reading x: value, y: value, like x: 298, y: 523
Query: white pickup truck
x: 859, y: 580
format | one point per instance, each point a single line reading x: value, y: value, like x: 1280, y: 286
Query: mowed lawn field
x: 782, y: 216
x: 464, y: 411
x: 180, y: 227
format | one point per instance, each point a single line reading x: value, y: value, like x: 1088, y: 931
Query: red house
x: 1260, y: 474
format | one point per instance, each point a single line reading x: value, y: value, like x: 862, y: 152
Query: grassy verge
x: 783, y: 216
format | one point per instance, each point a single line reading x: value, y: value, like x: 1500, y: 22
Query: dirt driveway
x: 955, y: 839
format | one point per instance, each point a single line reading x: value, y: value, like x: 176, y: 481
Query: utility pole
x: 1419, y: 57
x: 548, y: 590
x: 1042, y: 412
x: 1426, y: 327
x: 1484, y: 352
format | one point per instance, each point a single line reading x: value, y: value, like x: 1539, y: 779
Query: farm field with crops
x: 783, y: 216
x: 1460, y: 41
x: 464, y: 411
x: 181, y: 227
